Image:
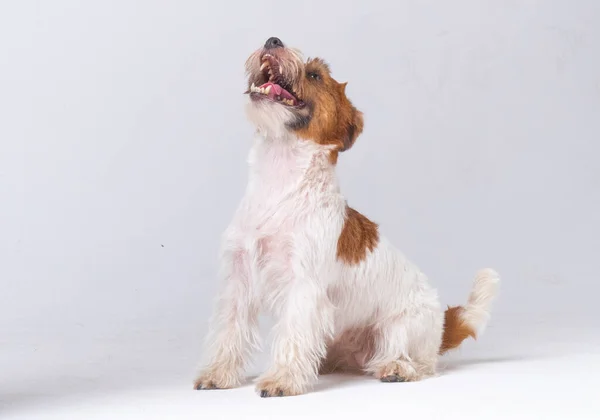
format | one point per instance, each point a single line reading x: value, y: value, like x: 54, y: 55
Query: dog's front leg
x: 304, y: 325
x: 233, y: 330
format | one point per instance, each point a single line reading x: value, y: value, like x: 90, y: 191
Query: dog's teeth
x: 252, y: 87
x: 264, y: 65
x: 267, y: 89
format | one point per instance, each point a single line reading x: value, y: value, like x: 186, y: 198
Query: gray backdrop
x: 122, y: 157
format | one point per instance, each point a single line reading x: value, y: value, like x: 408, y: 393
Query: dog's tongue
x: 277, y: 90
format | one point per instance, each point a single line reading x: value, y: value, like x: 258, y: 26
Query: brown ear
x: 355, y: 127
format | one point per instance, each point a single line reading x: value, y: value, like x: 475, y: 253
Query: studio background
x: 123, y: 146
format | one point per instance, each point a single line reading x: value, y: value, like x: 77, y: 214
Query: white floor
x: 537, y: 370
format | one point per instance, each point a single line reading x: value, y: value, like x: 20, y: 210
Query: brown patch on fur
x: 333, y: 120
x: 455, y: 329
x: 333, y: 157
x: 358, y: 236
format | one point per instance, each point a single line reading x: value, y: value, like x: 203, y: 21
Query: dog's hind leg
x: 407, y: 346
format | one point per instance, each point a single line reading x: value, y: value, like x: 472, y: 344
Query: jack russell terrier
x: 342, y: 296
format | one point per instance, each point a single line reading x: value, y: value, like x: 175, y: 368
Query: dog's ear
x: 354, y: 128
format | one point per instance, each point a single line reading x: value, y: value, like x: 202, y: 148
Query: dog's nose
x: 273, y: 42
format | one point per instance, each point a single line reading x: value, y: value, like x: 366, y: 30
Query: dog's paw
x: 277, y: 387
x: 398, y: 371
x: 203, y: 384
x: 215, y: 379
x: 393, y: 378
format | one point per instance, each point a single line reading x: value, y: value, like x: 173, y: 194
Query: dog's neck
x: 283, y: 163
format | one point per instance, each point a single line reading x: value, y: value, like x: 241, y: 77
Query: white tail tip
x: 477, y: 310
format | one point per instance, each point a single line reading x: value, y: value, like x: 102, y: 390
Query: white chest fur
x: 292, y: 206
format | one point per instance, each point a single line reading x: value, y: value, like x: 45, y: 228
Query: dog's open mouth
x: 276, y: 88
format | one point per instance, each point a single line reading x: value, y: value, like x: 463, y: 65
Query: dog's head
x: 289, y: 95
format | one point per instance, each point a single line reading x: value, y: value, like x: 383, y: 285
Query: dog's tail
x: 461, y: 322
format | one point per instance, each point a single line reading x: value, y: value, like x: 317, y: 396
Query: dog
x: 342, y: 296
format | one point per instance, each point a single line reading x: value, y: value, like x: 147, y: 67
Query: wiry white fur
x: 269, y: 118
x: 476, y: 312
x: 279, y: 256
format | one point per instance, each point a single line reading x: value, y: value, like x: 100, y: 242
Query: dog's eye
x: 314, y: 76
